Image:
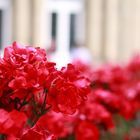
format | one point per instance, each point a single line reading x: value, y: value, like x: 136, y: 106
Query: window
x: 63, y: 23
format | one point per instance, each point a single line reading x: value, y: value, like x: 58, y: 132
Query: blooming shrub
x: 113, y: 104
x: 31, y: 86
x: 77, y: 102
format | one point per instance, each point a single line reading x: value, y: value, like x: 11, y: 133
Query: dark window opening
x: 52, y: 46
x: 54, y: 26
x: 72, y: 30
x: 1, y: 29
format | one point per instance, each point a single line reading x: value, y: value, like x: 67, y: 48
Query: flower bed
x: 78, y: 102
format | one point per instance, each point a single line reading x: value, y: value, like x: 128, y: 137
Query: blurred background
x: 94, y: 31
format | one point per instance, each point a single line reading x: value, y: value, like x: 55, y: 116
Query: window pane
x: 72, y: 30
x: 54, y: 26
x: 0, y: 29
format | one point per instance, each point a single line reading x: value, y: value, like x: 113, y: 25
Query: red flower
x: 110, y: 100
x: 57, y: 123
x: 98, y: 114
x: 12, y: 123
x: 35, y: 134
x: 87, y: 131
x: 67, y: 91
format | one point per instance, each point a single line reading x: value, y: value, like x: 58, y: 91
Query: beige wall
x: 113, y: 29
x: 21, y: 21
x: 28, y: 20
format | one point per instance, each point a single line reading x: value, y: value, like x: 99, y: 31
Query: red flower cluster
x: 115, y: 91
x: 71, y: 89
x: 39, y: 102
x: 30, y: 85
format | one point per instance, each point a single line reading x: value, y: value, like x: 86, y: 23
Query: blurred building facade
x: 110, y: 29
x: 113, y: 29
